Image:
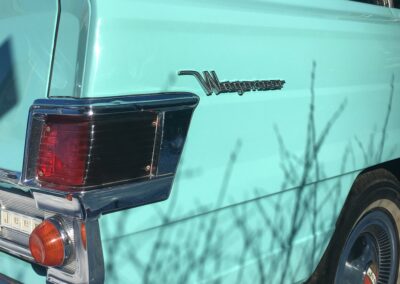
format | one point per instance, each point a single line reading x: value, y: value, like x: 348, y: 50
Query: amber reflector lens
x: 83, y: 234
x: 46, y: 245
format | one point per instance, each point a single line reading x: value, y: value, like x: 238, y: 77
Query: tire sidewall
x: 377, y: 195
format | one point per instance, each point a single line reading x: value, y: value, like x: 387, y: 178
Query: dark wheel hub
x: 370, y: 253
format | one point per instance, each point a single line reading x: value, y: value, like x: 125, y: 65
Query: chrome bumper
x: 86, y: 266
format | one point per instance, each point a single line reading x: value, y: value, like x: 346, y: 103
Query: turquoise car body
x: 263, y: 176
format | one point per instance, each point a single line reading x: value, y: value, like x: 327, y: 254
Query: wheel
x: 365, y: 246
x: 370, y: 253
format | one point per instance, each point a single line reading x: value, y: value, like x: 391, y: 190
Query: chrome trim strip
x: 138, y: 102
x: 21, y: 202
x: 89, y: 261
x: 15, y: 249
x: 125, y: 196
x: 91, y: 204
x: 50, y: 201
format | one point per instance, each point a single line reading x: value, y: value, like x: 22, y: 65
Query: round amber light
x: 47, y: 245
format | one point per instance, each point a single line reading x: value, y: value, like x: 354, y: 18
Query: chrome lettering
x: 211, y: 84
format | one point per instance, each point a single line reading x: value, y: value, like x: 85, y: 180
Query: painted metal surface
x: 27, y: 31
x: 26, y: 43
x: 263, y: 175
x: 249, y: 203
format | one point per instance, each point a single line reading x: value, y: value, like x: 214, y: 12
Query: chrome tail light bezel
x: 79, y: 206
x: 173, y: 112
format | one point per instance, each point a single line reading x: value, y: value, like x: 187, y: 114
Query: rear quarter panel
x: 27, y: 30
x: 264, y: 175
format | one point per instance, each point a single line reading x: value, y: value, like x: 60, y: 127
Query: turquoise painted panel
x: 262, y: 240
x: 26, y: 42
x: 20, y: 270
x: 27, y: 31
x: 263, y: 176
x: 337, y: 114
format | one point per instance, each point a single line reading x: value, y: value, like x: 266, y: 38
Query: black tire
x: 365, y: 244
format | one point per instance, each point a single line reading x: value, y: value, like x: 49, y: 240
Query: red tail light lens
x: 47, y: 245
x: 63, y: 151
x: 79, y: 145
x: 80, y: 152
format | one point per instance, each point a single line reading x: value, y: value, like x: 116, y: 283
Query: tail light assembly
x: 86, y: 157
x: 105, y: 154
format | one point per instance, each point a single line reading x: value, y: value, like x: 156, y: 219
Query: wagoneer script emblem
x: 211, y: 84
